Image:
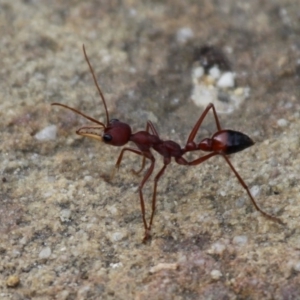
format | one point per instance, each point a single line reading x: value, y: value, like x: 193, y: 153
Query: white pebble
x: 88, y: 178
x: 163, y: 266
x: 47, y: 134
x: 117, y: 236
x: 214, y: 72
x: 217, y: 248
x: 184, y: 34
x: 197, y: 73
x: 226, y: 80
x: 282, y: 122
x: 112, y: 209
x: 202, y: 95
x: 222, y: 193
x: 23, y: 240
x: 116, y: 265
x: 296, y: 266
x: 45, y: 253
x: 65, y: 215
x: 255, y: 191
x: 215, y: 274
x: 63, y: 295
x: 240, y: 240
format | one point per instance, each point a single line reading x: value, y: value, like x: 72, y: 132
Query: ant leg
x: 179, y: 160
x: 146, y: 177
x: 241, y: 181
x: 273, y: 218
x: 151, y: 127
x: 200, y: 120
x: 202, y: 159
x: 141, y: 169
x: 157, y: 177
x: 117, y: 165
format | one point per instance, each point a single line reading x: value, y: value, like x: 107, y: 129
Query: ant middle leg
x: 141, y: 185
x: 156, y: 179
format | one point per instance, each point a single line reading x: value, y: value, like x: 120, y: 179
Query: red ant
x: 116, y: 133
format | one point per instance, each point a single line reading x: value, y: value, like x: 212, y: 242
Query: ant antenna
x: 97, y: 85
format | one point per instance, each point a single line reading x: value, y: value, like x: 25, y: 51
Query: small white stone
x: 203, y: 95
x: 222, y: 193
x: 47, y: 134
x: 88, y: 178
x: 63, y: 295
x: 112, y: 209
x: 117, y: 236
x: 240, y: 240
x: 116, y: 265
x: 184, y: 34
x: 45, y: 253
x: 65, y: 215
x: 214, y: 72
x: 296, y: 266
x: 215, y: 274
x: 163, y: 266
x: 255, y: 191
x: 198, y: 73
x: 23, y: 240
x: 217, y: 248
x: 226, y: 80
x: 282, y: 122
x: 175, y: 101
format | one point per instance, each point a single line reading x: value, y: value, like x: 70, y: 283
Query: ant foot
x: 147, y: 236
x: 272, y: 218
x: 275, y: 219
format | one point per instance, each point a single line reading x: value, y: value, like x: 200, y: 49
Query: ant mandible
x: 116, y: 133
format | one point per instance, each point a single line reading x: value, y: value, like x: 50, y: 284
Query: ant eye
x: 107, y: 138
x: 113, y: 120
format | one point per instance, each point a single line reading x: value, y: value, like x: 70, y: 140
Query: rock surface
x: 66, y: 231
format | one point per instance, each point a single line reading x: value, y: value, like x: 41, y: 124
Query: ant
x: 116, y: 133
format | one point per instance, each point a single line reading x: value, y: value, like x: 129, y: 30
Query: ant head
x: 116, y: 133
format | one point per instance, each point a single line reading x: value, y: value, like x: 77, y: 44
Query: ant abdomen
x: 226, y: 141
x: 230, y: 141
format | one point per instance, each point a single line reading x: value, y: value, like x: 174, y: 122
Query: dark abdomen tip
x: 237, y: 141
